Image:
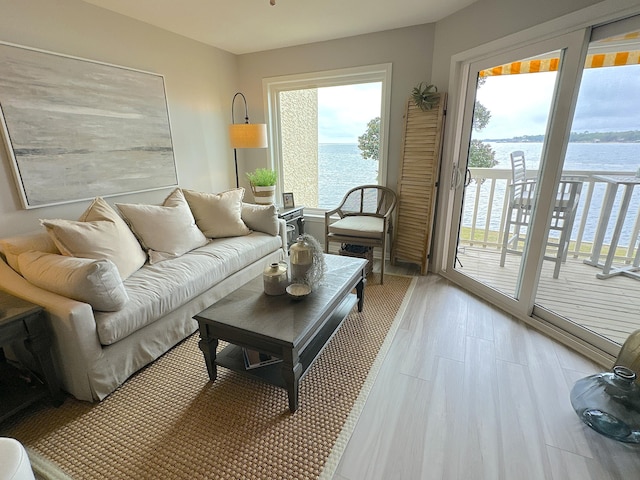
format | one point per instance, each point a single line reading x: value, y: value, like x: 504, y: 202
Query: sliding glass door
x: 510, y: 117
x: 517, y: 108
x: 600, y: 276
x: 549, y: 216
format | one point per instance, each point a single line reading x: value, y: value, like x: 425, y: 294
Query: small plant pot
x: 264, y: 195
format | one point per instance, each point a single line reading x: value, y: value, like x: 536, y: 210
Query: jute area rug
x: 168, y: 421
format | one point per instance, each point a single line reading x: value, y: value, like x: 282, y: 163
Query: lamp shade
x: 248, y: 135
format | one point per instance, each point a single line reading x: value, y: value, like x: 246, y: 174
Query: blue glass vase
x: 609, y: 403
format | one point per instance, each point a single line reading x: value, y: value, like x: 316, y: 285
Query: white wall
x: 487, y: 20
x: 408, y: 49
x: 200, y: 81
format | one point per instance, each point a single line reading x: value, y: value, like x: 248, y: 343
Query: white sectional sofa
x: 110, y: 314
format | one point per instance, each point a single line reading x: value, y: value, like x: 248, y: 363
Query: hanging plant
x: 425, y: 96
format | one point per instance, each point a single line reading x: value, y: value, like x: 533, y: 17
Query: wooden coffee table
x: 295, y: 331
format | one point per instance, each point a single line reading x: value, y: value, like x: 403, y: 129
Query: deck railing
x: 486, y: 203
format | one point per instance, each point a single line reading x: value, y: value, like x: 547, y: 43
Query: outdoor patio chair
x: 520, y: 207
x: 365, y: 219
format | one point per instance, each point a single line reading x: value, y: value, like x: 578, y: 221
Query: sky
x: 609, y: 100
x: 345, y: 111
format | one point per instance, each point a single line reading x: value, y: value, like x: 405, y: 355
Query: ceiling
x: 245, y: 26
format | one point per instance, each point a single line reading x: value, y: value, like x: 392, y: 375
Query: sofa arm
x: 75, y: 337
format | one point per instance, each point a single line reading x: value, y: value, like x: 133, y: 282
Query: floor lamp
x: 245, y: 135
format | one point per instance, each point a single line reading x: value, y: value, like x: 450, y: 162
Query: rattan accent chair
x: 365, y: 219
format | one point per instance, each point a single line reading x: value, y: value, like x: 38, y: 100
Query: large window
x: 328, y: 132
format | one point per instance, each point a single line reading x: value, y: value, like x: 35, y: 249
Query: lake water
x: 335, y: 180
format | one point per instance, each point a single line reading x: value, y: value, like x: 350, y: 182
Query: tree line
x: 629, y: 136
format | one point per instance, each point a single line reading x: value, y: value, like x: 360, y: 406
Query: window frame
x: 272, y: 87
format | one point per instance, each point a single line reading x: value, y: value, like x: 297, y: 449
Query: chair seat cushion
x: 364, y: 226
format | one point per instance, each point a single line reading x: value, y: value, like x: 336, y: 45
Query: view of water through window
x: 340, y: 168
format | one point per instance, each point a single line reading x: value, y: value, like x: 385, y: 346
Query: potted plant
x: 263, y: 185
x: 425, y: 96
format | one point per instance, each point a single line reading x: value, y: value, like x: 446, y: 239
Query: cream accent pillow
x: 167, y: 231
x: 13, y: 246
x: 99, y: 234
x: 262, y: 218
x: 218, y: 215
x: 96, y: 282
x: 98, y: 240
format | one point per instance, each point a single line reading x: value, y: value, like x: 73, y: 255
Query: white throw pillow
x: 99, y: 234
x: 96, y: 282
x: 12, y: 247
x: 218, y: 215
x: 262, y: 218
x: 167, y: 231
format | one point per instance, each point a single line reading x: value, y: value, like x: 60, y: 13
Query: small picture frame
x: 287, y: 200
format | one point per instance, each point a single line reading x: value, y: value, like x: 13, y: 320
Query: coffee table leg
x: 360, y: 293
x: 291, y: 372
x: 209, y: 345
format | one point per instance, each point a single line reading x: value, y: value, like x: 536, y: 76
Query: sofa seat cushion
x: 158, y: 289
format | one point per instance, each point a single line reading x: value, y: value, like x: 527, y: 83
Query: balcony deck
x: 608, y: 307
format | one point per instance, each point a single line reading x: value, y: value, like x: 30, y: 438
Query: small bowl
x: 298, y: 290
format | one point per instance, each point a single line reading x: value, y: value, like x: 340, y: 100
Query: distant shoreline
x: 630, y: 136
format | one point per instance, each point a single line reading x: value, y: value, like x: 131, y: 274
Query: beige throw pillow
x: 96, y: 282
x: 99, y: 234
x: 261, y: 218
x: 12, y: 247
x: 218, y: 215
x: 167, y: 231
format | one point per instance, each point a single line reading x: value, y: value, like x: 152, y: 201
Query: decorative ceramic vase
x: 301, y: 260
x: 276, y: 279
x: 264, y: 195
x: 629, y: 355
x: 609, y: 403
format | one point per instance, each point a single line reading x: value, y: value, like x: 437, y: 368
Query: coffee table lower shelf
x: 231, y: 357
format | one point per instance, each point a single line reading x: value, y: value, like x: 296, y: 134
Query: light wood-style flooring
x: 467, y: 392
x: 609, y: 307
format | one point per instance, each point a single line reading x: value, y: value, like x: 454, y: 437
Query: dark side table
x: 22, y: 321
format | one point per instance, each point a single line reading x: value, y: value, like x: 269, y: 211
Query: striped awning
x: 606, y: 53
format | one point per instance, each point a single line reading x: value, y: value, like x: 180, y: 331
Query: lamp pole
x: 245, y: 135
x: 233, y: 121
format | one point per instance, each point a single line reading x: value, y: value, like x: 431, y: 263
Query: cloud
x: 608, y: 100
x: 344, y: 111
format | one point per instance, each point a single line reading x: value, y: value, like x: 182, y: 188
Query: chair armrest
x: 328, y: 213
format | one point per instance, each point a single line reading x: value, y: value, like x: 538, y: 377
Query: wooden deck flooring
x: 608, y: 307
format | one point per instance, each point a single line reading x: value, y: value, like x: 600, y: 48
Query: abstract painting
x: 76, y: 129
